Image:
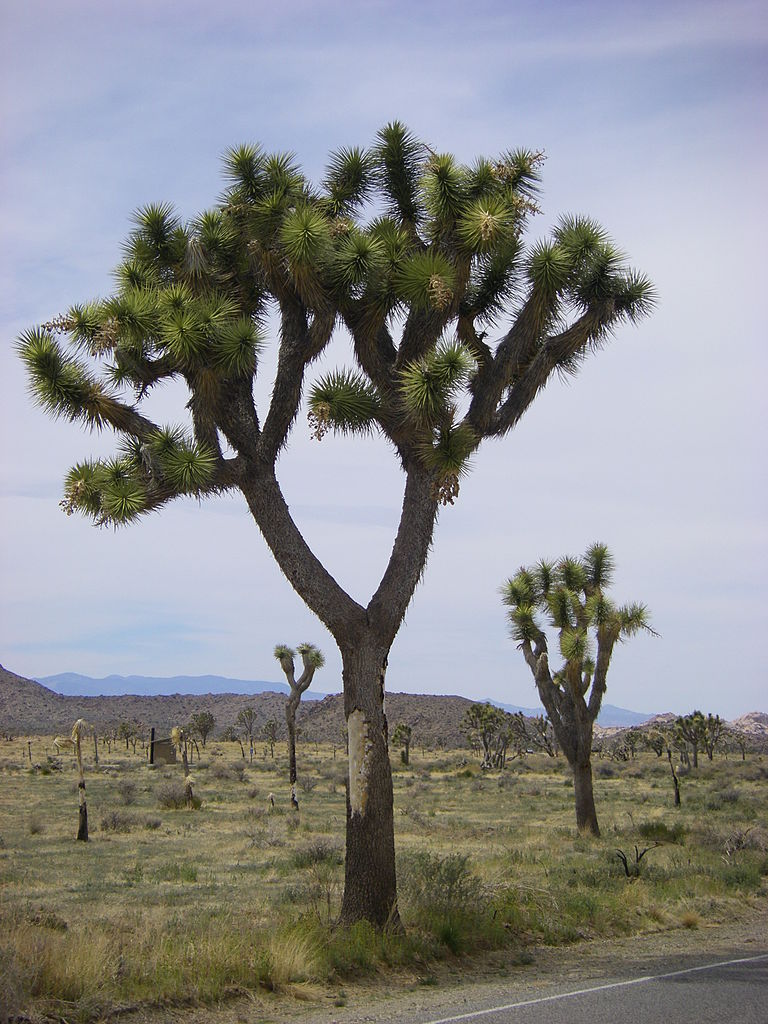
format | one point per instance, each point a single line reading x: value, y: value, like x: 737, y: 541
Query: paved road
x: 719, y: 992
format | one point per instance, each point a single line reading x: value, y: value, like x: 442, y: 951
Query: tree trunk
x: 586, y: 815
x: 82, y: 817
x: 370, y: 888
x: 290, y: 720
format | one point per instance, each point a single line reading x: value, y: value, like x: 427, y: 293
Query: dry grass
x: 169, y: 904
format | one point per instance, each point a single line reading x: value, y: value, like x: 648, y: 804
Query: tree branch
x: 409, y: 554
x: 557, y: 350
x: 299, y: 345
x: 310, y: 579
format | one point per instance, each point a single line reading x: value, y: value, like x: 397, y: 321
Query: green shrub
x: 661, y: 832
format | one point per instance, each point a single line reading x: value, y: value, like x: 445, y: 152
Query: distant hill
x: 610, y: 716
x: 29, y: 707
x: 71, y: 684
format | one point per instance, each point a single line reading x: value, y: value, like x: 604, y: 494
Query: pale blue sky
x: 652, y: 117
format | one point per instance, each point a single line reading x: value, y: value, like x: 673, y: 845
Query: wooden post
x: 152, y: 745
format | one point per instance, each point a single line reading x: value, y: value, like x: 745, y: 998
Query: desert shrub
x: 318, y: 851
x: 745, y: 875
x: 35, y: 825
x: 661, y: 832
x: 222, y: 772
x: 172, y: 794
x: 307, y: 783
x: 449, y: 901
x: 152, y: 824
x: 117, y: 821
x: 605, y: 771
x: 126, y: 790
x: 253, y: 793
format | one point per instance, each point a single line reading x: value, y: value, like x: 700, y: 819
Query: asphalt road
x: 718, y: 992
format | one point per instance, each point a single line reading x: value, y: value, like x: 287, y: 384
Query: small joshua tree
x: 269, y: 732
x: 312, y: 659
x: 482, y: 724
x: 203, y: 723
x: 571, y: 595
x: 246, y: 719
x: 692, y: 729
x: 79, y: 730
x: 401, y: 737
x: 179, y: 739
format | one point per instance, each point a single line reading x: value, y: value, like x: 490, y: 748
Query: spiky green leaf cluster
x: 428, y: 386
x: 570, y: 596
x: 311, y: 655
x: 344, y: 401
x: 396, y: 238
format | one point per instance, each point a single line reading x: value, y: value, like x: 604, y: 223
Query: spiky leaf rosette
x: 344, y: 401
x: 429, y: 385
x: 311, y: 655
x: 399, y: 155
x: 349, y: 180
x: 448, y: 456
x: 285, y: 655
x: 426, y: 281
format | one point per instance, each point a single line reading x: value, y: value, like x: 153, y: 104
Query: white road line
x: 596, y: 988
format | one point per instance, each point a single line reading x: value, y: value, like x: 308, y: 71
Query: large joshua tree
x: 570, y: 596
x: 312, y: 659
x: 419, y: 257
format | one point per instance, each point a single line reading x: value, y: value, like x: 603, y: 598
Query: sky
x: 652, y: 118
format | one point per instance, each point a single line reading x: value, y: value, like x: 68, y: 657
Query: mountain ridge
x: 73, y: 684
x: 28, y: 706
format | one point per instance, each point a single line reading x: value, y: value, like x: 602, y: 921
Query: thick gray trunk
x: 370, y: 886
x: 586, y: 815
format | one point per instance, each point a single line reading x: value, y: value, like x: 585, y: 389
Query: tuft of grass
x: 690, y: 919
x: 290, y: 957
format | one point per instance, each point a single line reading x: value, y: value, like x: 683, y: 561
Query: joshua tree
x: 202, y: 723
x: 270, y: 734
x: 482, y: 724
x: 713, y: 733
x: 692, y: 729
x: 541, y: 734
x: 401, y: 737
x: 419, y: 257
x: 79, y: 730
x: 180, y: 739
x: 570, y: 594
x: 246, y: 719
x: 655, y: 740
x: 312, y: 659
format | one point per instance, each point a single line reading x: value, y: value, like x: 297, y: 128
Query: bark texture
x: 370, y: 885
